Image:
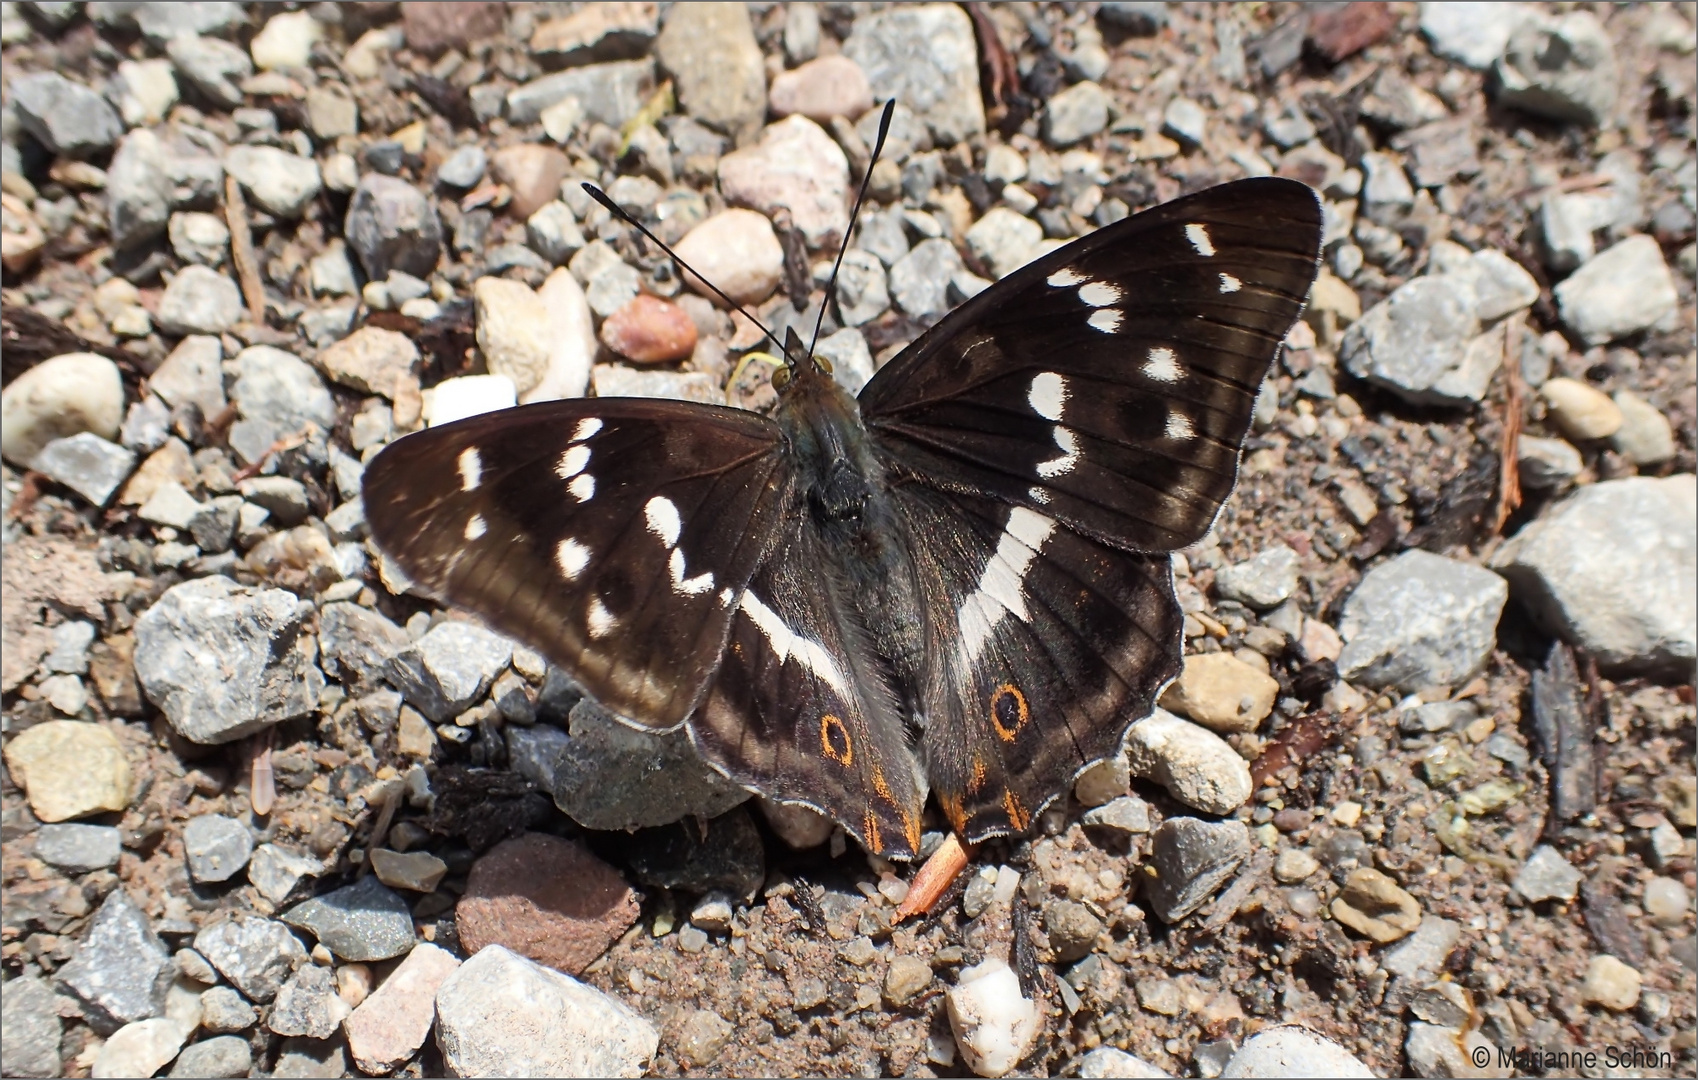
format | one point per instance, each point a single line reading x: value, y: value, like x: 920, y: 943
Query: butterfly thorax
x: 864, y: 541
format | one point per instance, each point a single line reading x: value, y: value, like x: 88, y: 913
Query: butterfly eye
x: 780, y: 378
x: 825, y: 365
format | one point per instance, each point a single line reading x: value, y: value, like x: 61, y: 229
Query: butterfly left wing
x: 800, y: 711
x: 613, y: 535
x: 1050, y: 643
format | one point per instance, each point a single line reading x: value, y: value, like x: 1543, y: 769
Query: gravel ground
x: 1423, y: 799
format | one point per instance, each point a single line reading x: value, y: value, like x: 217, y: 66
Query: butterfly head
x: 801, y: 366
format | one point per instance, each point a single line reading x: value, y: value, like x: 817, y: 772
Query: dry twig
x: 1509, y: 473
x: 242, y: 250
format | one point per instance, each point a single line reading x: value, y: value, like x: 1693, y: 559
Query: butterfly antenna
x: 854, y: 216
x: 619, y: 212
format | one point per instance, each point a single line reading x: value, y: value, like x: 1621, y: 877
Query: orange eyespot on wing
x: 835, y: 742
x: 1008, y: 711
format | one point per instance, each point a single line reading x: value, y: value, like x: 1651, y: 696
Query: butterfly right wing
x: 612, y: 535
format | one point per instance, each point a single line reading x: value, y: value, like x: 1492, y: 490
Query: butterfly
x: 957, y: 584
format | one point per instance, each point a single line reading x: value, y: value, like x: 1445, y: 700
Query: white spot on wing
x: 475, y: 527
x: 1199, y: 238
x: 1037, y: 495
x: 601, y: 620
x: 695, y: 586
x: 1048, y: 395
x: 1069, y: 455
x: 1230, y: 284
x: 663, y: 521
x: 1001, y: 588
x: 572, y: 462
x: 1163, y: 365
x: 582, y: 487
x: 471, y: 469
x: 785, y: 643
x: 1099, y: 293
x: 1107, y: 320
x: 725, y: 597
x: 1065, y: 277
x: 1179, y: 427
x: 586, y: 427
x: 572, y: 557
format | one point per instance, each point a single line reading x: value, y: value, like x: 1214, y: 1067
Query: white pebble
x: 469, y: 395
x: 1293, y: 1051
x: 994, y: 1025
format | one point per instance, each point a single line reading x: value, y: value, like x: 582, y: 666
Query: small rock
x: 69, y: 769
x: 796, y: 167
x: 1076, y: 114
x: 298, y: 1056
x: 821, y: 89
x: 862, y: 290
x: 731, y: 857
x: 57, y: 398
x: 1376, y: 907
x: 363, y: 921
x: 213, y: 67
x: 285, y: 41
x: 572, y: 340
x: 223, y: 1055
x: 1290, y: 1050
x: 77, y: 848
x: 545, y: 898
x: 388, y: 1027
x: 618, y: 380
x: 138, y: 191
x: 1192, y: 859
x: 906, y: 979
x: 1004, y: 241
x: 1426, y: 950
x: 611, y: 93
x: 737, y: 251
x: 597, y: 33
x: 87, y: 464
x: 256, y: 955
x: 1222, y: 693
x: 216, y: 847
x: 649, y: 330
x: 919, y: 280
x: 332, y: 113
x: 1265, y: 581
x: 500, y: 1014
x: 1645, y: 436
x: 553, y: 233
x: 1195, y: 765
x: 716, y: 65
x: 1563, y: 68
x: 66, y: 117
x: 1106, y: 1061
x: 513, y: 330
x: 223, y: 660
x: 1621, y: 291
x: 533, y: 172
x: 713, y: 913
x: 307, y: 1004
x: 1547, y: 464
x: 1072, y: 929
x: 29, y: 1027
x: 1294, y: 865
x: 277, y: 872
x: 141, y: 1048
x: 1128, y: 814
x: 1610, y: 569
x: 1420, y: 620
x: 371, y: 360
x: 1103, y: 782
x: 1423, y: 343
x: 280, y: 183
x: 121, y: 969
x: 1580, y: 412
x: 1446, y: 1004
x: 146, y: 91
x: 450, y: 668
x: 603, y: 777
x: 1547, y: 875
x: 464, y: 168
x: 200, y: 300
x: 223, y: 1009
x: 994, y: 1024
x: 925, y: 56
x: 1610, y: 983
x: 1185, y: 120
x: 703, y: 1037
x: 199, y: 238
x: 417, y: 871
x: 391, y: 225
x: 1667, y: 901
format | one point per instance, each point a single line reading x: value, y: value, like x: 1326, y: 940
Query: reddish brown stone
x: 545, y: 898
x: 533, y: 172
x: 649, y: 330
x: 1348, y: 30
x: 433, y: 29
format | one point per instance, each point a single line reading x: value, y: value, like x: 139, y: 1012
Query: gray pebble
x: 391, y: 225
x: 1262, y: 582
x: 603, y: 777
x: 1622, y: 291
x: 1184, y: 120
x: 553, y: 233
x: 222, y: 1055
x: 138, y: 190
x: 883, y: 234
x: 278, y: 394
x: 464, y: 168
x: 307, y: 1005
x: 1128, y: 813
x: 1474, y: 35
x: 211, y: 66
x: 1563, y: 68
x: 224, y: 1009
x: 280, y: 183
x: 447, y: 670
x: 1547, y: 875
x: 67, y: 117
x: 919, y: 281
x: 1192, y: 859
x: 200, y: 300
x: 121, y: 969
x: 862, y: 291
x: 1437, y: 716
x: 1547, y: 464
x: 29, y: 1027
x: 199, y: 238
x: 1420, y: 620
x: 255, y: 954
x: 1426, y: 950
x: 361, y: 922
x: 87, y: 464
x: 1645, y: 436
x: 78, y: 848
x: 216, y: 847
x: 277, y: 872
x: 926, y: 56
x: 1076, y: 114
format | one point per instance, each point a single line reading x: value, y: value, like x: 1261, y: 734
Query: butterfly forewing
x: 612, y: 535
x: 1110, y: 384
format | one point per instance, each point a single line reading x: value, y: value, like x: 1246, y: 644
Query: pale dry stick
x: 934, y: 878
x: 1509, y: 472
x: 385, y: 816
x: 242, y: 250
x: 262, y: 784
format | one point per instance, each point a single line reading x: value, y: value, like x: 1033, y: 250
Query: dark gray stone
x: 303, y: 1057
x: 1141, y: 17
x: 307, y: 1005
x: 609, y: 776
x: 534, y: 753
x: 66, y: 117
x: 223, y: 660
x: 1418, y: 621
x: 356, y: 644
x: 121, y: 970
x: 278, y: 394
x: 391, y: 225
x: 361, y: 922
x: 727, y: 855
x: 223, y: 1008
x: 216, y: 847
x: 222, y: 1055
x: 138, y: 191
x: 77, y: 848
x: 255, y: 954
x: 1192, y: 858
x: 919, y: 281
x: 277, y: 872
x: 611, y: 93
x: 29, y: 1028
x: 450, y: 668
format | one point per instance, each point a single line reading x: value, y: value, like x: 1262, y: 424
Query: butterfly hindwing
x: 1053, y: 643
x: 799, y: 710
x: 1110, y: 383
x: 612, y: 535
